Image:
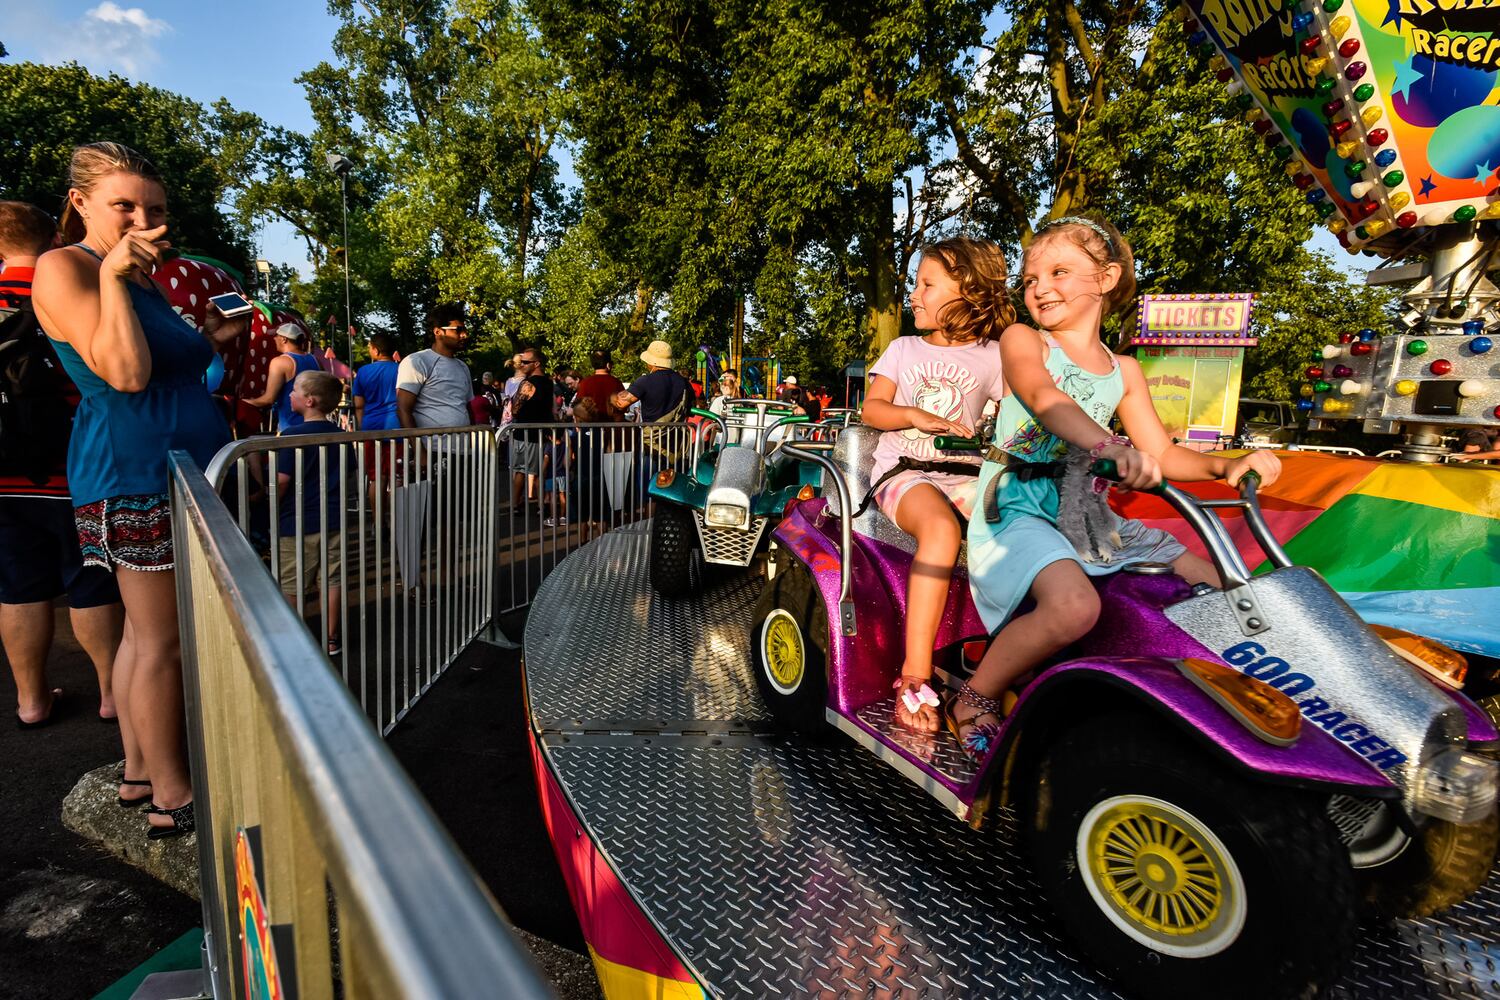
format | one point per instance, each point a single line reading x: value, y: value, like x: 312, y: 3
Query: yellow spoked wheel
x: 782, y: 651
x: 1161, y: 876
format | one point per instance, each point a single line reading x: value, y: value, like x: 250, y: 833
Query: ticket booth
x: 1192, y: 350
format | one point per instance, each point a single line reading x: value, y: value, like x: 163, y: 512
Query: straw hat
x: 658, y: 355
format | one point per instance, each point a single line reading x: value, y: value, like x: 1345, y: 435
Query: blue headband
x: 1076, y: 220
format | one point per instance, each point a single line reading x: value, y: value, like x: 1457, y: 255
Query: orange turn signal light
x: 806, y: 492
x: 665, y: 476
x: 1442, y: 664
x: 1258, y: 706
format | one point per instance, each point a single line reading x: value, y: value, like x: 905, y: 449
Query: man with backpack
x: 40, y: 559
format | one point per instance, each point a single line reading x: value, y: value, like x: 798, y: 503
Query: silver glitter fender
x: 1317, y: 650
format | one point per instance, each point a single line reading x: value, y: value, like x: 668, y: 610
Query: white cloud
x: 106, y: 38
x: 110, y: 13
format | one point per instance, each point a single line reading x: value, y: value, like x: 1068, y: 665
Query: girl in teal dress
x: 1064, y: 388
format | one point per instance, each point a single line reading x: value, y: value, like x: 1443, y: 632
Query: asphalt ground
x: 73, y: 919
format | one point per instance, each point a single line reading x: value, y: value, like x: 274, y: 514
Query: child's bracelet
x: 1111, y: 440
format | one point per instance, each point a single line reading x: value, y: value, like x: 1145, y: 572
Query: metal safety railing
x: 323, y: 872
x: 570, y: 483
x: 384, y: 541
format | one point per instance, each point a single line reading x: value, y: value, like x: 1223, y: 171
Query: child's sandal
x: 977, y: 738
x: 913, y: 693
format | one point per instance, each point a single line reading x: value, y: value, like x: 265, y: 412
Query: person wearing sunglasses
x: 433, y: 386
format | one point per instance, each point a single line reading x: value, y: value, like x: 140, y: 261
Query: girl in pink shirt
x: 921, y: 387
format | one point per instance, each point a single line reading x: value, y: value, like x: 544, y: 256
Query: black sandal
x: 133, y: 803
x: 182, y: 822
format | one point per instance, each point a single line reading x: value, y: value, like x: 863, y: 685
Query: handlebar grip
x: 946, y: 442
x: 1251, y: 476
x: 796, y: 418
x: 1105, y: 468
x: 699, y: 411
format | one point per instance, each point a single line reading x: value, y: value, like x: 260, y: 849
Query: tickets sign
x: 1211, y: 320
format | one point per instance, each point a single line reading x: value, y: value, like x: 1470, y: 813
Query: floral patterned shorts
x: 132, y: 531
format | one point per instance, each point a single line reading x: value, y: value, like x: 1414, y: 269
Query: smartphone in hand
x: 231, y: 304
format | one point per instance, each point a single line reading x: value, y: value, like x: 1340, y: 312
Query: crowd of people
x: 104, y: 378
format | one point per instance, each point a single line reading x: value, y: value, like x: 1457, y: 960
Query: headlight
x: 726, y: 515
x: 1432, y: 657
x: 1455, y: 785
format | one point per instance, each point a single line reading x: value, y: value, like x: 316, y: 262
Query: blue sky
x: 250, y: 53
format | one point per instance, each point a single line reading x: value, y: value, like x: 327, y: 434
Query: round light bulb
x: 1364, y: 92
x: 1465, y: 213
x: 1370, y: 116
x: 1361, y: 347
x: 1398, y: 202
x: 1332, y: 351
x: 1321, y: 386
x: 1349, y: 387
x: 1416, y: 348
x: 1480, y: 345
x: 1471, y: 387
x: 1339, y: 25
x: 1406, y: 387
x: 1442, y: 366
x: 1306, y: 391
x: 1361, y: 188
x: 1342, y: 371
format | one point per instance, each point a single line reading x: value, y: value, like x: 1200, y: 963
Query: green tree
x: 48, y: 110
x: 1136, y: 129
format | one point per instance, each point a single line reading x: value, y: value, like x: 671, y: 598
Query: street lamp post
x: 263, y: 269
x: 342, y: 165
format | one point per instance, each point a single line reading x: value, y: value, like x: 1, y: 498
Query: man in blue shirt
x: 375, y: 388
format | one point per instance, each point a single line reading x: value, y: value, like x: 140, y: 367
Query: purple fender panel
x: 863, y: 667
x: 1315, y: 759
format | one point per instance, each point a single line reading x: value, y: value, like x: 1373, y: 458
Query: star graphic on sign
x: 1406, y: 75
x: 1483, y: 171
x: 1392, y: 13
x: 1427, y: 185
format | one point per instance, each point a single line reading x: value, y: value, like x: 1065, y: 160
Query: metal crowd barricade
x: 312, y: 843
x: 569, y: 483
x: 407, y: 579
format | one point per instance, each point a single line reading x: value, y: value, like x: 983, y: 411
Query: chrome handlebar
x: 817, y: 453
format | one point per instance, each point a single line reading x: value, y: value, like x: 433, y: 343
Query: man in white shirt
x: 432, y: 386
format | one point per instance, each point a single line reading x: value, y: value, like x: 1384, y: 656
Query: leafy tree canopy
x: 48, y: 110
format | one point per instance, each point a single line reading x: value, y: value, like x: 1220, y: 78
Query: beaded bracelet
x: 1095, y: 451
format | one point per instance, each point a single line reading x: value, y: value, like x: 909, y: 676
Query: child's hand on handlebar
x: 934, y: 424
x: 1136, y: 469
x: 1263, y: 463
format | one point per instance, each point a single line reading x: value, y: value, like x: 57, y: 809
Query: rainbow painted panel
x: 1411, y: 546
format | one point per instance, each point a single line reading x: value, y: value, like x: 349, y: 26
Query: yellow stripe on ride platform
x: 1447, y: 487
x: 621, y: 982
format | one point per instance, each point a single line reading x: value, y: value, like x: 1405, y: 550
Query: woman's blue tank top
x: 285, y: 415
x: 121, y: 439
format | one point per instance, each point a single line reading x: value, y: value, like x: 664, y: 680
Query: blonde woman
x: 139, y: 367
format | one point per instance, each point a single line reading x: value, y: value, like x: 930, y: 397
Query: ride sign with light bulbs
x: 1386, y: 114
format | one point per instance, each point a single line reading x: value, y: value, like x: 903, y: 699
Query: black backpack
x: 35, y: 418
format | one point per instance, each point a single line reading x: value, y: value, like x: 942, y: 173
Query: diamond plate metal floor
x: 791, y: 868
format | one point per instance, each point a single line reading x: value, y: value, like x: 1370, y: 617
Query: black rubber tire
x: 1300, y: 900
x: 1443, y: 866
x: 791, y: 592
x: 676, y: 559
